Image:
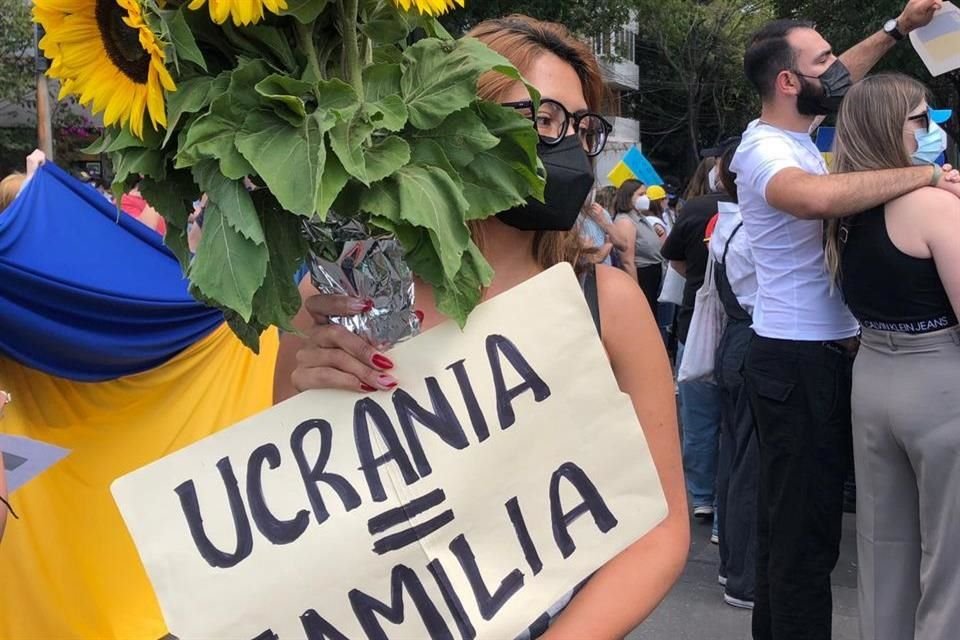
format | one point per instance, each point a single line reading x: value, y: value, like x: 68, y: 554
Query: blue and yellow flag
x: 634, y: 166
x: 107, y: 355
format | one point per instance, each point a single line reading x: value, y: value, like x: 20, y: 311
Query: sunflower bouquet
x: 281, y: 111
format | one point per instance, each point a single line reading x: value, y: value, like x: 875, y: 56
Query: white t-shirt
x: 740, y: 268
x: 794, y: 300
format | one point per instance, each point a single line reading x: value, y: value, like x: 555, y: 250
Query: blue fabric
x: 86, y: 293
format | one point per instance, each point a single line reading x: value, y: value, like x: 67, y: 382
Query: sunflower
x: 243, y: 12
x: 104, y: 52
x: 430, y: 7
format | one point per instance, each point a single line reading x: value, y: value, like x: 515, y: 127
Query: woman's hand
x: 34, y: 161
x: 333, y: 357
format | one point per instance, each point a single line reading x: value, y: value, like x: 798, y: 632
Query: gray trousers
x: 906, y: 438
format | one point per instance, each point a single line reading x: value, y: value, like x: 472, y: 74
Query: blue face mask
x: 930, y: 144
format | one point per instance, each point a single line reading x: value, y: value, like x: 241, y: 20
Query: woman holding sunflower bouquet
x: 330, y: 105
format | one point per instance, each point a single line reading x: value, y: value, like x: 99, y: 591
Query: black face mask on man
x: 569, y: 180
x: 834, y: 83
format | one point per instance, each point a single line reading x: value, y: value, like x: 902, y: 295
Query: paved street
x: 695, y: 610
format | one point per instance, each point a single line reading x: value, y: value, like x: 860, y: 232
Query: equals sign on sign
x: 403, y: 515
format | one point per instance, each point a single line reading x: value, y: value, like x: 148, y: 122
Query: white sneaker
x: 703, y: 511
x: 722, y: 579
x: 737, y: 602
x: 714, y: 538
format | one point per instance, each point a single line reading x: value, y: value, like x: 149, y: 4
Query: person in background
x: 799, y: 364
x: 898, y: 266
x: 134, y: 205
x: 519, y: 244
x: 737, y: 466
x: 641, y: 257
x: 700, y: 183
x: 686, y: 249
x: 13, y: 184
x: 660, y: 208
x: 597, y: 226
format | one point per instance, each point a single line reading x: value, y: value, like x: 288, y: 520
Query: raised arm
x: 628, y: 588
x: 808, y: 196
x: 627, y: 252
x: 861, y: 58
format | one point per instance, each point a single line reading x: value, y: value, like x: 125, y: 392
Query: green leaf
x: 306, y: 11
x: 458, y: 297
x: 462, y: 135
x: 289, y: 159
x: 191, y: 96
x: 332, y: 183
x: 440, y: 77
x: 347, y: 139
x: 173, y: 199
x: 381, y: 80
x: 278, y: 299
x: 228, y: 267
x: 338, y: 101
x: 213, y: 135
x: 275, y: 42
x: 385, y: 157
x: 100, y: 144
x: 182, y: 39
x: 287, y: 93
x: 232, y: 198
x: 390, y: 113
x: 247, y: 331
x: 430, y: 198
x: 137, y: 161
x: 387, y: 29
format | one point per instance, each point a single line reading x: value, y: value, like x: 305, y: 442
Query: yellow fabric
x: 620, y: 174
x: 68, y: 568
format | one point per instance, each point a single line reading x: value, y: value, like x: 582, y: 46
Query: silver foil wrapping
x: 369, y: 266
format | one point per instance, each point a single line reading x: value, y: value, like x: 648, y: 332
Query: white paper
x: 279, y: 590
x: 938, y: 43
x: 24, y: 459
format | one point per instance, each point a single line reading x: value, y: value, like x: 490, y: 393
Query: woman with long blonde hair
x: 898, y: 266
x: 564, y: 70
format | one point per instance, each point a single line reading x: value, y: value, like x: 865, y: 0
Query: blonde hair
x: 869, y: 137
x: 523, y: 40
x: 9, y: 188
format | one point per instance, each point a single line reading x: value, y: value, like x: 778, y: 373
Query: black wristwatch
x: 891, y: 29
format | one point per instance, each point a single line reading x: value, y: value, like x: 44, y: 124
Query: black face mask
x: 835, y: 83
x: 569, y: 180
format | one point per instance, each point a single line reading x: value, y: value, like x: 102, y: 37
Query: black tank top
x: 885, y: 288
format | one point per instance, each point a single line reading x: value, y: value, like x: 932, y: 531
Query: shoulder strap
x: 729, y: 241
x: 588, y: 282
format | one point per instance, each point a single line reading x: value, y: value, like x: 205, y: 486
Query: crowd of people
x: 840, y: 291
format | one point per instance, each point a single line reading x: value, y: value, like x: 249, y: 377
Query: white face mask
x: 641, y: 203
x: 713, y: 179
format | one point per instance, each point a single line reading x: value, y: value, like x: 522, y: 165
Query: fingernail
x: 419, y: 315
x: 386, y: 381
x: 357, y: 305
x: 365, y: 387
x: 367, y: 305
x: 381, y: 361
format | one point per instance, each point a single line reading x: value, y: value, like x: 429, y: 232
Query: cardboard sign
x: 938, y: 43
x: 505, y: 471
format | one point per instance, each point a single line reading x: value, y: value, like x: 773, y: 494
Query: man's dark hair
x: 769, y: 53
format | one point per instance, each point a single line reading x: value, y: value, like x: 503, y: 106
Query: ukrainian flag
x: 107, y: 355
x: 634, y: 166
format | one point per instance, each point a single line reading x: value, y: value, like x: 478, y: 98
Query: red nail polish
x: 387, y: 382
x: 419, y: 315
x: 382, y: 362
x: 365, y: 387
x: 367, y: 305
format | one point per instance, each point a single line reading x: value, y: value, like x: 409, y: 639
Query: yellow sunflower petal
x: 108, y: 76
x: 428, y: 7
x: 241, y: 12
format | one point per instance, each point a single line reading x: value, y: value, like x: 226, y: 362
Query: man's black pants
x: 800, y: 394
